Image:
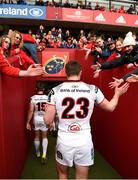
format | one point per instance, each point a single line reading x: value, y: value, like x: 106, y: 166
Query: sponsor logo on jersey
x: 96, y: 89
x: 49, y: 95
x: 59, y: 155
x: 74, y: 127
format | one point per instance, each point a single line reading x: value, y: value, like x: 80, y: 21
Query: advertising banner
x: 54, y: 63
x: 54, y: 13
x: 79, y: 15
x: 115, y: 18
x: 22, y: 11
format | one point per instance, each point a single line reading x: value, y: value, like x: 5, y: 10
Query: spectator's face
x: 17, y: 39
x: 111, y: 46
x: 99, y: 42
x: 6, y: 43
x: 128, y: 49
x: 119, y: 46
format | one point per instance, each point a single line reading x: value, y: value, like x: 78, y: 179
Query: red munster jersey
x: 74, y: 101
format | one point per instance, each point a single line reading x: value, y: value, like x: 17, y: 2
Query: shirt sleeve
x: 5, y: 68
x: 52, y: 97
x: 99, y: 95
x: 130, y: 73
x: 113, y: 64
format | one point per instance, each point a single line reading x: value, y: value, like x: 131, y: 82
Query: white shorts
x: 82, y: 155
x: 40, y: 126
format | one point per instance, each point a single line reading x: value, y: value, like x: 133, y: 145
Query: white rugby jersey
x: 74, y: 101
x: 39, y: 102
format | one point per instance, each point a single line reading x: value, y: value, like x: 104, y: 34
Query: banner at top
x: 22, y: 11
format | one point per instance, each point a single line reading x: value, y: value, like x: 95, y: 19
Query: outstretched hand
x: 96, y: 66
x: 115, y: 83
x: 122, y: 89
x: 96, y: 73
x: 87, y: 54
x: 132, y: 78
x: 35, y: 70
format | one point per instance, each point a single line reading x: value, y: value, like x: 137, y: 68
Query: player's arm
x: 111, y: 105
x: 29, y: 116
x: 50, y: 112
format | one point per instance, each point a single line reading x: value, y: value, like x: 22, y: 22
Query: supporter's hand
x: 98, y: 49
x: 122, y: 89
x: 96, y: 73
x: 133, y: 78
x: 35, y: 70
x: 97, y: 66
x: 17, y: 50
x: 130, y: 65
x: 135, y: 64
x: 28, y: 126
x: 115, y: 83
x: 87, y: 54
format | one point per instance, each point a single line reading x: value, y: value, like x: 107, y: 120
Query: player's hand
x: 28, y: 126
x: 132, y: 78
x: 35, y: 70
x: 97, y: 66
x: 122, y: 89
x: 96, y: 73
x: 115, y: 83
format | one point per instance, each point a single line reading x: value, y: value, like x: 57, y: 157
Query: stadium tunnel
x: 114, y: 134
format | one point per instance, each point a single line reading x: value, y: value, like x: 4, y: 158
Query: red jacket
x: 28, y: 38
x: 7, y: 69
x: 23, y: 60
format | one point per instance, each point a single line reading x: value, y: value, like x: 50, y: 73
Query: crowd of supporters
x: 79, y: 4
x: 24, y: 47
x: 18, y: 51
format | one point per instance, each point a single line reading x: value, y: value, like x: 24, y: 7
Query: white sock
x: 37, y: 144
x: 44, y: 145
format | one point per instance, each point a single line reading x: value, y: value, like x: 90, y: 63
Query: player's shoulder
x: 33, y: 97
x: 93, y: 88
x: 58, y: 87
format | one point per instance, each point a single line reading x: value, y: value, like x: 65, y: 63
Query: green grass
x: 35, y: 170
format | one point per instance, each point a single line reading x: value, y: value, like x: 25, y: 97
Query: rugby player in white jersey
x: 74, y: 102
x: 36, y: 111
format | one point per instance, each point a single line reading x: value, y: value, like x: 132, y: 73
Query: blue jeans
x: 30, y: 48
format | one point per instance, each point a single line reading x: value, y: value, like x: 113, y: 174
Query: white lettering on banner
x: 22, y: 12
x: 78, y: 13
x: 13, y: 11
x: 121, y: 20
x: 136, y: 22
x: 100, y: 17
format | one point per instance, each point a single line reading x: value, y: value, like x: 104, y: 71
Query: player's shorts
x: 82, y: 155
x: 40, y: 126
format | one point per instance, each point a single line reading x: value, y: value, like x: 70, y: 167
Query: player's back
x: 39, y: 102
x: 74, y: 104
